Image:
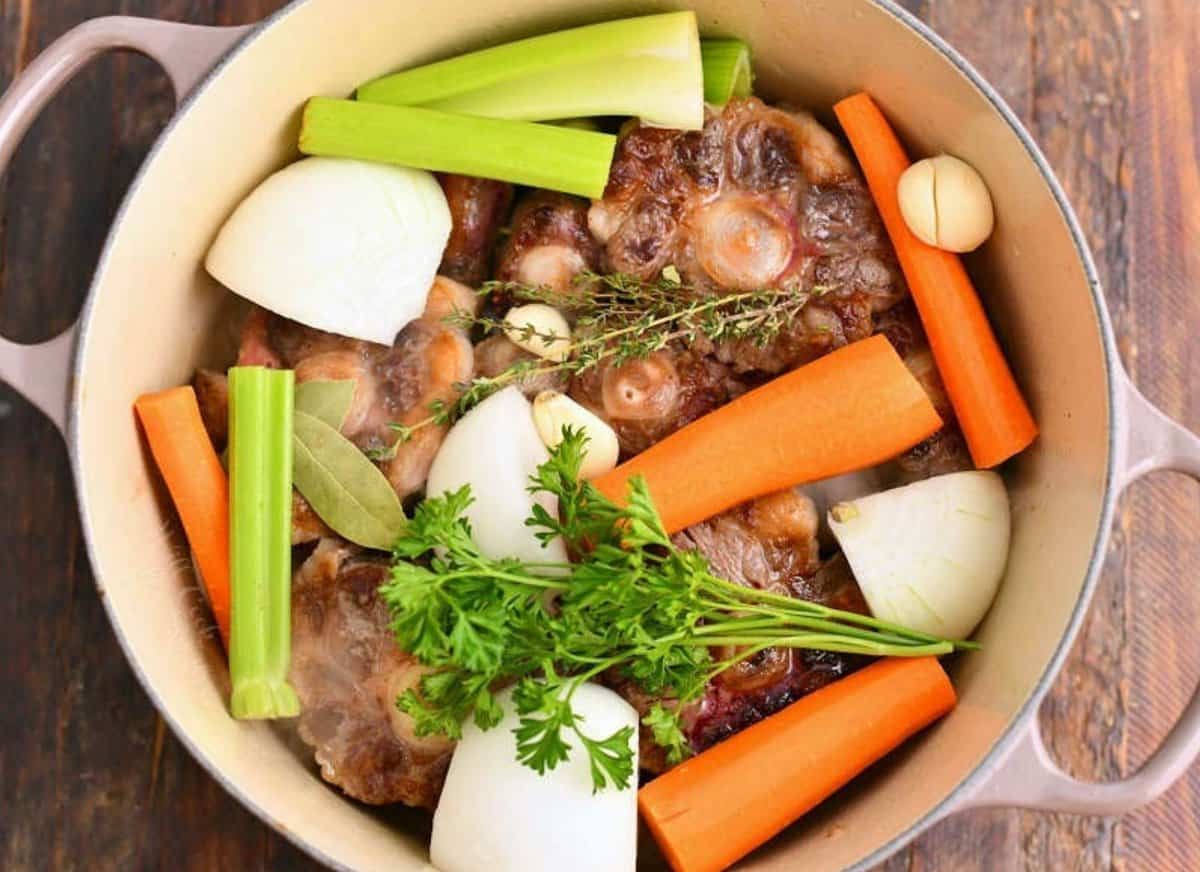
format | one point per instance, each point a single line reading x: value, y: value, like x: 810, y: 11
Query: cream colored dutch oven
x: 152, y: 309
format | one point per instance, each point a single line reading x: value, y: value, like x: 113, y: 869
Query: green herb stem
x: 738, y: 593
x: 260, y: 486
x: 838, y: 642
x: 499, y: 575
x: 620, y: 318
x: 774, y: 625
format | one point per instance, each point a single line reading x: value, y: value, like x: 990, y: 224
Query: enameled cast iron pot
x: 151, y: 312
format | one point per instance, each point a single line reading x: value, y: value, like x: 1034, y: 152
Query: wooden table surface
x: 91, y: 779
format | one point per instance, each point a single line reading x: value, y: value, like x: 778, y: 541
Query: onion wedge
x: 930, y: 555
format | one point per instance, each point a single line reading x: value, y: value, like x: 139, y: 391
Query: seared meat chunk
x: 760, y: 198
x: 306, y: 525
x: 478, y: 208
x: 942, y: 453
x: 833, y: 585
x: 770, y: 544
x: 766, y: 543
x: 498, y: 353
x: 946, y: 450
x: 550, y: 243
x: 348, y: 672
x: 822, y: 326
x: 212, y: 395
x: 427, y: 364
x: 647, y: 400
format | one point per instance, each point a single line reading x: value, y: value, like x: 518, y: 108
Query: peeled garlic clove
x: 964, y: 205
x: 915, y: 192
x: 540, y: 330
x: 552, y: 411
x: 946, y: 203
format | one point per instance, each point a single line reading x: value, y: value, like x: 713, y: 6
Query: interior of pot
x: 153, y: 320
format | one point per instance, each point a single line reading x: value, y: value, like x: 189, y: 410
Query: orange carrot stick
x: 715, y: 808
x: 851, y: 409
x: 994, y: 416
x: 198, y: 486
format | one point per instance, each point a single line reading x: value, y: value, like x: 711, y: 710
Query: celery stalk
x: 539, y: 155
x: 727, y: 72
x: 648, y: 67
x: 260, y: 506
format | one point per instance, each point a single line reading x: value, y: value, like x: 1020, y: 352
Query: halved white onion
x: 341, y: 245
x: 498, y: 815
x: 929, y: 555
x: 495, y: 448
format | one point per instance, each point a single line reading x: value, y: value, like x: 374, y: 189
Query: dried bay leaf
x: 344, y: 488
x: 328, y: 400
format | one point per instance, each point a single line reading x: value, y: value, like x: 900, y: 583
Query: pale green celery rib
x: 526, y: 57
x: 652, y: 89
x: 260, y: 504
x: 538, y: 155
x: 647, y: 66
x: 727, y: 71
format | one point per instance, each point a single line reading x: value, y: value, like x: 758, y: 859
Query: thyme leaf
x: 620, y: 318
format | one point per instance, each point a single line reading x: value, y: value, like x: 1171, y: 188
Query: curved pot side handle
x: 1028, y: 777
x: 187, y: 52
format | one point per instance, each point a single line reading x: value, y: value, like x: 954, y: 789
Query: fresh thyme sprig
x: 633, y: 605
x: 619, y: 318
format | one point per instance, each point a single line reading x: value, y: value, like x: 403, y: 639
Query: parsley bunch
x: 633, y: 604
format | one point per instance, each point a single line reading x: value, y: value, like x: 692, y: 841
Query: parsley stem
x: 744, y: 654
x: 830, y: 642
x: 776, y: 622
x: 737, y: 592
x: 603, y: 666
x: 544, y: 582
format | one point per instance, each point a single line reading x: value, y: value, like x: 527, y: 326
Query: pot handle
x: 187, y: 52
x: 1028, y: 777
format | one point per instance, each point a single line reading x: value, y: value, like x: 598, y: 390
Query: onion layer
x: 498, y: 815
x: 495, y: 448
x: 929, y: 555
x: 339, y: 245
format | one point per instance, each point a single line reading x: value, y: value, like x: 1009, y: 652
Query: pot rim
x: 1117, y: 425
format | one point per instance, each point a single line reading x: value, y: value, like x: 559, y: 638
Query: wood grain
x: 1080, y: 116
x: 1164, y: 358
x: 89, y: 777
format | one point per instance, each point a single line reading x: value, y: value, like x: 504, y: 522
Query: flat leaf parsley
x: 632, y: 605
